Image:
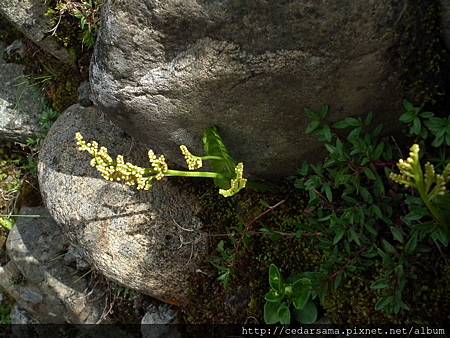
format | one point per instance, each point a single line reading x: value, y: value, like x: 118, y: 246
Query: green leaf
x: 365, y: 194
x: 416, y: 214
x: 376, y: 211
x: 355, y: 237
x: 416, y: 127
x: 339, y: 234
x: 6, y: 223
x: 408, y: 105
x: 301, y: 292
x: 378, y: 151
x: 304, y: 169
x: 379, y: 284
x: 426, y: 114
x: 275, y: 278
x: 370, y: 175
x: 224, y: 277
x: 284, y: 314
x: 337, y: 281
x: 326, y: 133
x: 406, y: 118
x: 341, y: 124
x: 312, y: 126
x: 324, y: 111
x: 369, y: 119
x: 331, y: 149
x: 369, y: 227
x: 328, y: 192
x: 271, y: 312
x: 354, y: 135
x: 311, y: 114
x: 437, y: 142
x: 383, y: 302
x: 388, y: 247
x: 441, y: 236
x: 214, y: 146
x: 274, y: 296
x: 397, y: 234
x: 307, y: 315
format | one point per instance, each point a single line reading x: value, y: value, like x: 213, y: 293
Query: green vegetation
x: 10, y: 184
x: 351, y: 243
x: 75, y: 21
x: 283, y: 294
x: 364, y: 223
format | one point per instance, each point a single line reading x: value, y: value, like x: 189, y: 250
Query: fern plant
x: 227, y: 175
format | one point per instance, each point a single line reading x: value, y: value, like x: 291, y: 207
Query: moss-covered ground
x: 250, y: 252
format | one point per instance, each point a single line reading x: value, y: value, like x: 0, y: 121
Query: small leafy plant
x: 87, y: 12
x: 357, y: 214
x: 227, y: 175
x: 425, y: 124
x: 293, y: 295
x: 222, y: 263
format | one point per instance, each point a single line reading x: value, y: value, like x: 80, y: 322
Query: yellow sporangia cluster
x: 120, y: 171
x: 125, y: 172
x: 193, y: 162
x: 159, y: 164
x: 237, y: 183
x: 411, y: 174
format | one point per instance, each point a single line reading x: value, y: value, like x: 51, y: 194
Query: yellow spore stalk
x: 428, y: 183
x: 120, y: 171
x: 237, y: 183
x: 193, y: 162
x: 117, y: 170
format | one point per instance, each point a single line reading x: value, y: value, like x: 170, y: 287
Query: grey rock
x: 25, y: 321
x: 31, y: 296
x: 154, y: 323
x: 39, y: 280
x: 20, y: 103
x: 132, y: 237
x: 16, y: 48
x: 159, y: 314
x: 20, y: 316
x: 445, y: 21
x: 74, y: 256
x: 167, y: 70
x: 84, y: 93
x: 28, y: 16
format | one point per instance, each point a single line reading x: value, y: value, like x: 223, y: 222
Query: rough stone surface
x: 39, y: 280
x: 16, y: 48
x: 133, y: 237
x: 74, y: 256
x: 445, y: 21
x: 159, y: 314
x: 167, y: 70
x: 84, y: 93
x: 154, y: 320
x: 20, y: 104
x: 28, y: 16
x: 20, y: 316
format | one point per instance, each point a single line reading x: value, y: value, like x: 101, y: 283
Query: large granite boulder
x: 167, y: 70
x: 39, y: 279
x: 146, y: 240
x: 20, y: 103
x: 28, y: 16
